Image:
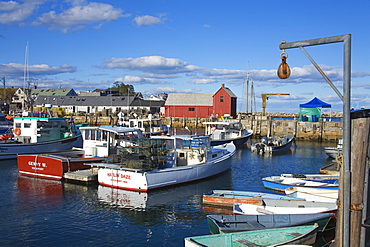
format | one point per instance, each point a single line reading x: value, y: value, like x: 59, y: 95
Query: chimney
x: 223, y: 85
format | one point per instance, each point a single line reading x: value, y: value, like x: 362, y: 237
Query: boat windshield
x: 198, y: 143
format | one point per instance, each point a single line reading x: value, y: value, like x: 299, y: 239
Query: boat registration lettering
x: 125, y: 176
x: 116, y: 175
x: 37, y: 164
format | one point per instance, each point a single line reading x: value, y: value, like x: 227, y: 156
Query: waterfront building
x: 94, y: 104
x: 203, y: 105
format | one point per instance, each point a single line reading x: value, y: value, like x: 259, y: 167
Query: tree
x: 122, y: 88
x: 9, y: 93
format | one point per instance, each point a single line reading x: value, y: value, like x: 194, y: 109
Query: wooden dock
x: 86, y: 176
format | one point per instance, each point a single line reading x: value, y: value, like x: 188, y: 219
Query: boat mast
x: 252, y: 97
x: 25, y: 74
x: 249, y: 94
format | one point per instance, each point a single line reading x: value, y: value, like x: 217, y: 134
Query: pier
x: 85, y: 176
x: 279, y: 124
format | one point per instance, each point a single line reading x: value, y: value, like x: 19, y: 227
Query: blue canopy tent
x: 311, y: 111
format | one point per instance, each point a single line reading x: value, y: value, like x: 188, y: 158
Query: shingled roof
x: 227, y: 91
x: 53, y: 92
x: 97, y: 101
x: 185, y: 99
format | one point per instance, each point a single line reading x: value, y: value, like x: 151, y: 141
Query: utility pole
x: 4, y: 97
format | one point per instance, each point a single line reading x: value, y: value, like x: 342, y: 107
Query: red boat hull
x: 51, y: 166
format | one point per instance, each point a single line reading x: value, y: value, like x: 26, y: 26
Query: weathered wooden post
x: 359, y: 164
x: 321, y: 126
x: 269, y: 126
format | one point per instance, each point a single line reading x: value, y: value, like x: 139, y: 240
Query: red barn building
x: 203, y: 105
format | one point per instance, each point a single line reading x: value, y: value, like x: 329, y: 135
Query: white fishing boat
x: 164, y: 161
x: 34, y: 135
x: 225, y: 131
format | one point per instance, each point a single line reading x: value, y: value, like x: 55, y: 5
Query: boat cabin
x: 147, y: 126
x: 104, y: 140
x: 38, y: 129
x: 223, y: 130
x: 183, y: 150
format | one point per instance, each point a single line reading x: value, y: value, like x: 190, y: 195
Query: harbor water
x: 38, y: 212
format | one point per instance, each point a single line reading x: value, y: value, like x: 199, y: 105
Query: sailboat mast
x: 252, y: 97
x: 247, y: 94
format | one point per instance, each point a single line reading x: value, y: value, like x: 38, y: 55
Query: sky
x: 187, y: 47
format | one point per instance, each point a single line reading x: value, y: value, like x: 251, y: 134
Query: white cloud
x: 77, y: 17
x: 17, y: 70
x: 148, y: 20
x: 138, y: 80
x: 159, y: 90
x: 150, y: 64
x: 204, y: 81
x: 155, y: 67
x: 14, y: 12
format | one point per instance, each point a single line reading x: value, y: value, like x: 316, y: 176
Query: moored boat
x: 332, y: 152
x: 35, y: 135
x: 313, y: 194
x: 266, y: 237
x: 282, y: 207
x: 281, y: 183
x: 237, y: 223
x: 271, y: 145
x: 164, y: 161
x: 104, y: 141
x: 51, y: 166
x: 149, y: 126
x: 229, y: 197
x: 99, y: 142
x: 6, y: 126
x: 226, y: 131
x: 327, y: 178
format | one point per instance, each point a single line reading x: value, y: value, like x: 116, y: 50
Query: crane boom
x: 265, y: 98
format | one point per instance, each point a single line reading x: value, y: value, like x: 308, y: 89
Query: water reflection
x: 39, y: 212
x: 153, y: 199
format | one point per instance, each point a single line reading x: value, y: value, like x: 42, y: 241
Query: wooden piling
x: 359, y: 164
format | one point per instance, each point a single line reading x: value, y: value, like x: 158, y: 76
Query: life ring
x: 17, y: 131
x: 213, y: 129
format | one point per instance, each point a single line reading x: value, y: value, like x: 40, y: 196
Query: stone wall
x: 261, y: 126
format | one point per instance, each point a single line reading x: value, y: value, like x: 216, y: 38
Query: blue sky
x: 186, y: 46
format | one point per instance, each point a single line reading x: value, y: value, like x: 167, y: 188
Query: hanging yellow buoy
x: 283, y: 70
